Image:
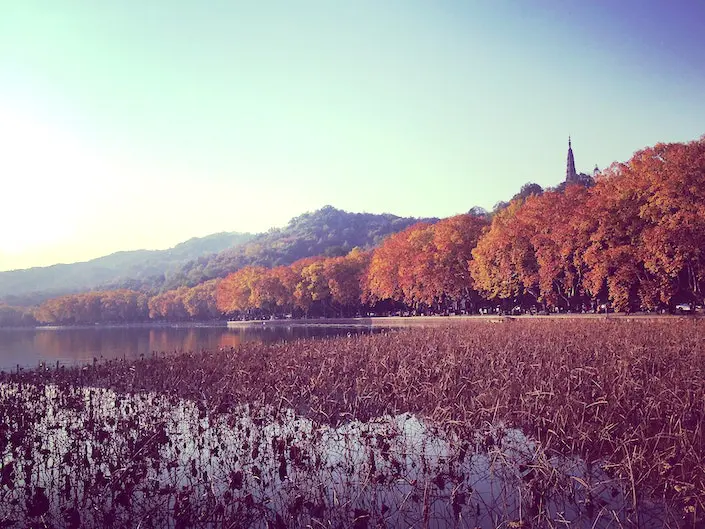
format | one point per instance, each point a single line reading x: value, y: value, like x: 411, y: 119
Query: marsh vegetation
x: 517, y: 424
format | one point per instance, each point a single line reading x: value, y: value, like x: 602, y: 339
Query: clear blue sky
x: 130, y: 124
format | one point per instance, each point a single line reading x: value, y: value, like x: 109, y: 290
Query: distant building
x: 571, y: 175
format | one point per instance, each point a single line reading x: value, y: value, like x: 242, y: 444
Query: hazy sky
x: 132, y: 124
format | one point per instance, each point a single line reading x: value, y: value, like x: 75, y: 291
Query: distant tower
x: 571, y: 176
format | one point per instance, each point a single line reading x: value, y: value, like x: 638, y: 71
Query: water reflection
x: 28, y: 347
x: 151, y: 460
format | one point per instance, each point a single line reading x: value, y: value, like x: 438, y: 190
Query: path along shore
x: 409, y: 321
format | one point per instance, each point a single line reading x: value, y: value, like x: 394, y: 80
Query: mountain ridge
x: 31, y: 285
x: 326, y: 231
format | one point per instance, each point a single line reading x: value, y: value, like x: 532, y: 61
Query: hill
x: 128, y: 268
x: 327, y: 231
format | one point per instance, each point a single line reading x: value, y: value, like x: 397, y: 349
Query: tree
x: 397, y: 266
x: 169, y: 305
x: 427, y: 265
x: 504, y: 264
x: 94, y: 307
x: 647, y: 246
x: 454, y: 239
x: 234, y: 293
x: 16, y: 317
x: 312, y: 287
x: 200, y: 301
x: 528, y: 190
x: 344, y: 275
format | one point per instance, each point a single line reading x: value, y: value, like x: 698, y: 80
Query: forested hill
x: 130, y: 268
x: 327, y: 231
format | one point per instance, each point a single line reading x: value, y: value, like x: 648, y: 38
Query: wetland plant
x: 538, y: 423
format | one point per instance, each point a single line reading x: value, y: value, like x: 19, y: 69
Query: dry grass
x: 627, y: 395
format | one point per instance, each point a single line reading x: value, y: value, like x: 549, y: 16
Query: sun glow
x: 48, y: 175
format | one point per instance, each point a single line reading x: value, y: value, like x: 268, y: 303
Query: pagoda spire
x: 571, y: 176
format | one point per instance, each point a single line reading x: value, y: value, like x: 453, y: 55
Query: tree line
x: 635, y: 240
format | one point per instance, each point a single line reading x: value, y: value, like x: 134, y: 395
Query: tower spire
x: 571, y: 176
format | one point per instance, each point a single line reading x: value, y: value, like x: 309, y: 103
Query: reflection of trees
x: 83, y: 344
x: 229, y: 339
x: 191, y: 339
x: 16, y: 338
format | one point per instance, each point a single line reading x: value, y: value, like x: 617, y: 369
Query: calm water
x: 28, y: 347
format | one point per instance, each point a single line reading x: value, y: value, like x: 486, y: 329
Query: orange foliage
x: 344, y: 275
x: 112, y: 306
x: 234, y: 293
x: 637, y: 237
x: 425, y: 264
x: 649, y: 239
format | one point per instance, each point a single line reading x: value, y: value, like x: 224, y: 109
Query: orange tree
x: 426, y: 265
x: 646, y: 243
x: 504, y: 264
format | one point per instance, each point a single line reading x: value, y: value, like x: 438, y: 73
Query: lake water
x: 69, y: 345
x: 159, y: 461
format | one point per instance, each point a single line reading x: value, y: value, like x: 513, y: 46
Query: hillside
x: 327, y: 231
x: 127, y: 268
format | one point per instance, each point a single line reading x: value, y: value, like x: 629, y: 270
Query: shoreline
x: 404, y: 321
x: 368, y: 321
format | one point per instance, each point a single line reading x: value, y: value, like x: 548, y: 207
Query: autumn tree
x: 533, y: 248
x: 312, y: 288
x: 344, y: 276
x: 112, y: 306
x: 16, y: 316
x: 234, y: 293
x: 200, y: 301
x: 396, y: 264
x: 169, y: 305
x: 426, y: 265
x: 454, y: 239
x: 504, y: 264
x: 284, y: 280
x: 649, y: 233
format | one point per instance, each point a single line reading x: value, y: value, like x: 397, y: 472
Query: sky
x: 127, y: 124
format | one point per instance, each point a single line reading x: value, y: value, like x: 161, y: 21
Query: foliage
x: 528, y: 190
x: 634, y: 240
x: 318, y: 284
x: 532, y: 249
x: 16, y: 316
x: 426, y: 265
x: 647, y: 240
x: 113, y: 306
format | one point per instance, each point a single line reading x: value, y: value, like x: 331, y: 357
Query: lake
x: 70, y: 345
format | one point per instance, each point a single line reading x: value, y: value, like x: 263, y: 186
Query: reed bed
x: 625, y: 397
